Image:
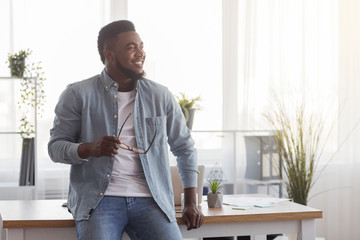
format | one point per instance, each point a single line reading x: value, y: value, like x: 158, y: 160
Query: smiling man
x: 114, y: 130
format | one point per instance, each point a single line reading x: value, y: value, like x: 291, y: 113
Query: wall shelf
x: 11, y: 142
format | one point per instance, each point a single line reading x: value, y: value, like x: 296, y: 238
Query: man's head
x: 121, y: 49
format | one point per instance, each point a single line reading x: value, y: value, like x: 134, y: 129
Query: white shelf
x: 11, y: 140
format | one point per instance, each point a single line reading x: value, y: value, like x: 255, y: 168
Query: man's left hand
x: 192, y: 217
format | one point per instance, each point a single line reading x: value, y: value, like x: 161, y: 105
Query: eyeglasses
x: 134, y: 149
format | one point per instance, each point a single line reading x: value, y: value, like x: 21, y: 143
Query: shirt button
x: 107, y: 175
x: 101, y: 194
x: 115, y: 96
x: 115, y: 84
x: 106, y: 87
x: 115, y: 116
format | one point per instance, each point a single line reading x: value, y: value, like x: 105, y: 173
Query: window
x: 183, y: 42
x: 63, y: 36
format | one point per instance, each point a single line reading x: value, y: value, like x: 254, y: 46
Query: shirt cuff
x: 74, y: 154
x: 190, y: 180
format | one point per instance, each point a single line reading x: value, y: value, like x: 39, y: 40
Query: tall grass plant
x: 299, y: 134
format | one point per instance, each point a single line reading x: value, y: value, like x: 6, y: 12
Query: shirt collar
x: 108, y: 82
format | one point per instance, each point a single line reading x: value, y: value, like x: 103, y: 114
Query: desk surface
x: 50, y: 214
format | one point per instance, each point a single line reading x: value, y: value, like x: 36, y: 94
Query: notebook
x: 177, y: 185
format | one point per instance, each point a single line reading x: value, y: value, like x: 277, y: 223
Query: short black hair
x: 110, y: 31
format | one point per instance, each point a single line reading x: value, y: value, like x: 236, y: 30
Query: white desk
x: 46, y: 219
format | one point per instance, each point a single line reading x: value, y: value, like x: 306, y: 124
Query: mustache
x: 128, y: 72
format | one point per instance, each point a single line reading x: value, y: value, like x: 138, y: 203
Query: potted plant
x: 188, y: 107
x: 214, y: 196
x: 32, y: 97
x: 32, y: 91
x: 298, y: 134
x: 17, y: 63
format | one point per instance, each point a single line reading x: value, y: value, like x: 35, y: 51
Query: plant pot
x: 190, y: 117
x: 215, y: 200
x: 190, y: 121
x: 18, y: 68
x: 27, y: 166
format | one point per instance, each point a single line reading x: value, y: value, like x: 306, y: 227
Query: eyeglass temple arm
x: 152, y: 141
x: 123, y: 124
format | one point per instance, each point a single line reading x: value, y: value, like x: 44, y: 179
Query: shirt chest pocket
x: 156, y: 126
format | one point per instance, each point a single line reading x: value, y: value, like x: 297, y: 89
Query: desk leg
x: 307, y: 230
x: 258, y: 237
x: 14, y: 234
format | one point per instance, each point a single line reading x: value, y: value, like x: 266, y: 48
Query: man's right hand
x: 105, y: 146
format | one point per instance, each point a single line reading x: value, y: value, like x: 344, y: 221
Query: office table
x: 47, y: 219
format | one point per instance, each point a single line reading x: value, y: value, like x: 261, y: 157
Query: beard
x: 128, y: 72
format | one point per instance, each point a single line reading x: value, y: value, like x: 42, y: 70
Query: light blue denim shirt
x: 87, y: 110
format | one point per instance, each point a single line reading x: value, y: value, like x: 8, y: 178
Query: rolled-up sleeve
x: 63, y: 144
x: 181, y: 143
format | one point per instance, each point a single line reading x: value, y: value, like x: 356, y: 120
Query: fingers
x: 106, y: 146
x: 187, y: 222
x: 193, y: 218
x: 113, y: 152
x: 193, y: 221
x: 199, y: 219
x: 112, y: 140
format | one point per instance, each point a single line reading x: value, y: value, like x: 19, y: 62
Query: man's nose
x: 140, y: 52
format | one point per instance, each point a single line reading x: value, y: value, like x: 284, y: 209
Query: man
x: 113, y: 129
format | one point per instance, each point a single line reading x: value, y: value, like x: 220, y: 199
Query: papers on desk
x: 244, y: 203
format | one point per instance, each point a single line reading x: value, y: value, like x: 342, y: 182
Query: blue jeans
x: 139, y: 217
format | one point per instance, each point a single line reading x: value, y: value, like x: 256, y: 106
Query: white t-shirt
x: 128, y: 179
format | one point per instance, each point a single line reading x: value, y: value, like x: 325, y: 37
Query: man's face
x: 130, y: 56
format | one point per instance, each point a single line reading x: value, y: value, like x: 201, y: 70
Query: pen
x: 228, y: 204
x: 242, y: 208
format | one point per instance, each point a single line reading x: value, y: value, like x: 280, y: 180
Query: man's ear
x: 109, y: 56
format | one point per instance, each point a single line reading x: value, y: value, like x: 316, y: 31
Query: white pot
x: 215, y: 200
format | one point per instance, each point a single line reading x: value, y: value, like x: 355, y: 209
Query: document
x: 248, y: 202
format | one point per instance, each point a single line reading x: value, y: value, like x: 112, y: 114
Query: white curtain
x: 289, y: 47
x: 309, y: 49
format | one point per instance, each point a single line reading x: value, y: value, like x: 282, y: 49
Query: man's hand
x: 105, y: 146
x: 192, y: 216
